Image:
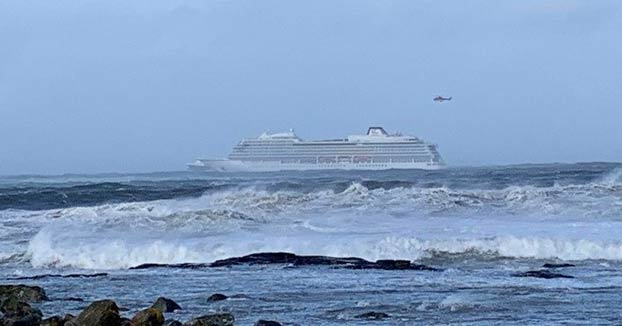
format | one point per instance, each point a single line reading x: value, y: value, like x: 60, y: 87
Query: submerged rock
x: 148, y: 317
x: 217, y: 297
x: 268, y: 258
x: 373, y: 315
x: 262, y: 322
x: 543, y: 273
x: 166, y: 305
x: 560, y: 265
x: 18, y: 313
x: 23, y: 293
x: 99, y: 313
x: 212, y: 320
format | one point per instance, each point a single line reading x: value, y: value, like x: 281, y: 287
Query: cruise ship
x: 376, y: 150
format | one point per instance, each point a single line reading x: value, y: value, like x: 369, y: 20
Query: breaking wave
x: 44, y: 251
x: 568, y: 213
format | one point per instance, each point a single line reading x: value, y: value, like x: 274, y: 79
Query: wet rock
x: 56, y: 320
x: 373, y: 315
x: 71, y: 299
x: 99, y: 313
x: 217, y: 297
x: 180, y: 266
x: 23, y: 293
x: 166, y: 305
x: 543, y: 273
x: 390, y: 264
x: 53, y: 321
x: 262, y: 322
x: 212, y: 320
x: 126, y: 322
x: 37, y: 277
x: 560, y: 265
x: 148, y: 317
x: 173, y: 323
x: 18, y: 313
x: 268, y: 258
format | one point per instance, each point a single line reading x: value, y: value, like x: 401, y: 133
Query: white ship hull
x: 377, y: 150
x: 241, y: 166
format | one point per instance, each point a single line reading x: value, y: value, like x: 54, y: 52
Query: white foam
x: 570, y: 222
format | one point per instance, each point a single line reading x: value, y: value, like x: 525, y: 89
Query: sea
x: 482, y: 228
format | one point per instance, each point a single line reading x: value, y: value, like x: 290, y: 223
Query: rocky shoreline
x: 16, y: 300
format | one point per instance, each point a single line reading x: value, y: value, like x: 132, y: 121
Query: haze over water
x: 110, y: 86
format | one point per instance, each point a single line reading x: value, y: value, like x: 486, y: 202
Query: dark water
x: 481, y: 226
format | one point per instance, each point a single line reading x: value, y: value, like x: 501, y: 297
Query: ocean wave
x: 112, y: 251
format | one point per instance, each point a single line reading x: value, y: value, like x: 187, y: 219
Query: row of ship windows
x: 331, y: 160
x: 345, y: 151
x: 329, y: 145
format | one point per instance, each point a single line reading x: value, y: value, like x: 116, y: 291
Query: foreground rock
x: 262, y: 322
x: 543, y: 273
x: 18, y: 313
x: 99, y: 313
x: 56, y: 320
x: 373, y: 315
x: 148, y: 317
x: 212, y: 320
x: 166, y: 305
x: 296, y: 260
x: 217, y: 297
x: 23, y: 293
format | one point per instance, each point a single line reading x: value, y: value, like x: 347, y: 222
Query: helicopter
x: 442, y: 99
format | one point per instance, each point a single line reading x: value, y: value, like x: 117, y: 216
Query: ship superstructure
x: 376, y: 150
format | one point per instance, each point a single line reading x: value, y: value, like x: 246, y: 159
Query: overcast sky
x: 128, y: 86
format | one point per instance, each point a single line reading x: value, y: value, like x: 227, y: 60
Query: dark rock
x: 56, y: 320
x: 373, y: 315
x: 393, y: 264
x: 173, y: 323
x: 262, y: 322
x: 543, y: 273
x: 285, y: 258
x: 53, y: 321
x: 18, y: 313
x: 37, y: 277
x: 180, y: 266
x: 212, y: 320
x: 268, y: 258
x: 561, y: 265
x: 217, y: 297
x: 126, y: 322
x: 71, y: 299
x: 166, y: 305
x: 23, y: 293
x: 148, y: 317
x: 99, y: 313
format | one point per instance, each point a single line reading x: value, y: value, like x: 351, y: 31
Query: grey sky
x: 99, y: 86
